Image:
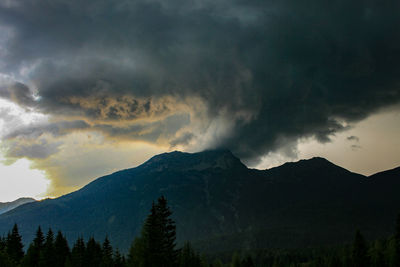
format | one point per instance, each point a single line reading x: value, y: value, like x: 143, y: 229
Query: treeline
x: 156, y: 247
x: 50, y: 251
x: 361, y: 253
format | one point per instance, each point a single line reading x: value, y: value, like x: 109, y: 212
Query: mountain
x: 220, y: 204
x: 7, y: 206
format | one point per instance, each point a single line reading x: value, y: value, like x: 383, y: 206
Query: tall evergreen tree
x: 14, y: 245
x: 107, y: 258
x: 32, y: 256
x: 153, y: 239
x: 47, y: 255
x: 359, y: 251
x: 93, y: 253
x: 78, y: 253
x: 119, y: 260
x: 156, y: 244
x: 168, y: 232
x: 61, y: 248
x: 38, y: 241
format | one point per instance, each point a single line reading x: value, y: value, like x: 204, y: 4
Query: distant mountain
x: 7, y: 206
x: 220, y: 204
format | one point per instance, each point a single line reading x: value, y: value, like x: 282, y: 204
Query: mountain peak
x: 221, y: 158
x: 314, y: 161
x: 318, y: 161
x: 315, y: 164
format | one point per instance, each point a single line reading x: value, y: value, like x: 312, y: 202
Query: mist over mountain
x: 220, y: 204
x: 7, y: 206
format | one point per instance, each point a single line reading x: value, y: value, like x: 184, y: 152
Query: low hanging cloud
x: 243, y: 75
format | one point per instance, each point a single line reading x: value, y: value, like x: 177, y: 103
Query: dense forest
x: 156, y: 247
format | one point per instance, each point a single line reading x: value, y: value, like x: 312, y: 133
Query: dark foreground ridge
x: 220, y: 204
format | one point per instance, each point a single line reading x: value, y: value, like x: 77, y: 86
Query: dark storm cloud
x: 273, y: 70
x: 19, y: 93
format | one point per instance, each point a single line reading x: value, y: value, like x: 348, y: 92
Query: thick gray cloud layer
x: 272, y: 70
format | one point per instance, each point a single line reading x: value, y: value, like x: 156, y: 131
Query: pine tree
x: 168, y: 232
x: 119, y: 260
x: 152, y: 235
x: 38, y: 242
x: 107, y: 259
x: 47, y: 255
x: 156, y: 244
x: 359, y: 251
x: 93, y: 253
x: 78, y: 253
x: 32, y: 256
x: 61, y: 248
x: 14, y: 247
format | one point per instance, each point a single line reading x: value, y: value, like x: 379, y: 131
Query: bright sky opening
x: 20, y: 180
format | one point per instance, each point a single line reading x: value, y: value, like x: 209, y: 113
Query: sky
x: 91, y: 87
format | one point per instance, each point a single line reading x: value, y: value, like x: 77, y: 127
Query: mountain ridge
x: 215, y: 197
x: 7, y: 206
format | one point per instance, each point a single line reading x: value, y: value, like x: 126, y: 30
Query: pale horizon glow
x: 20, y: 180
x: 373, y: 148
